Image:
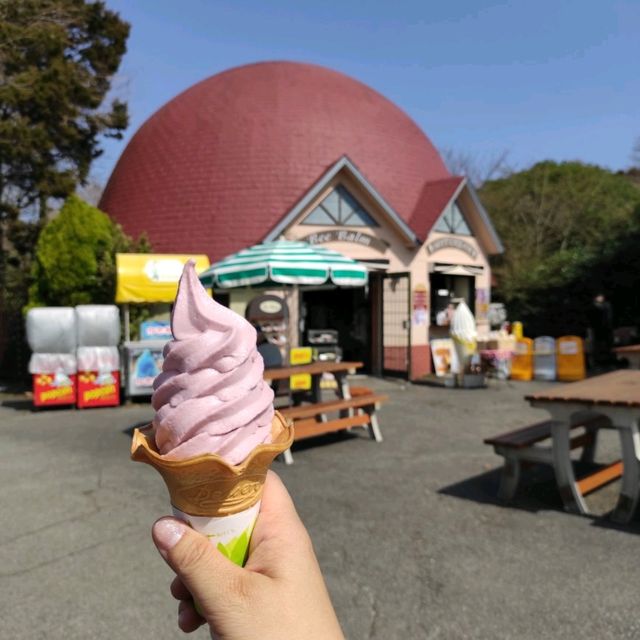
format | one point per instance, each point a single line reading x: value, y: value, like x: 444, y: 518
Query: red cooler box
x: 98, y: 377
x: 51, y: 389
x: 98, y: 389
x: 54, y: 378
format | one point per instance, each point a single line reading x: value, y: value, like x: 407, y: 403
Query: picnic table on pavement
x: 615, y: 398
x: 316, y: 370
x: 631, y: 353
x: 355, y: 407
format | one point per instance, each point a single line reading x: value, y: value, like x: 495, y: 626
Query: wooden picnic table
x: 613, y: 396
x: 316, y: 370
x: 312, y: 418
x: 631, y: 353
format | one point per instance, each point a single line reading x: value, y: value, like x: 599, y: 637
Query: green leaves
x: 75, y: 257
x: 57, y: 59
x: 562, y: 225
x: 236, y: 550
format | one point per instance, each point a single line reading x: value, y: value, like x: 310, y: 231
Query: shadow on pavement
x: 537, y: 491
x: 607, y: 523
x: 136, y: 425
x: 322, y: 441
x: 26, y: 404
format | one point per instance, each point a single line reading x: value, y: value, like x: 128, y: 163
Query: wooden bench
x: 521, y: 447
x: 359, y: 391
x: 311, y: 420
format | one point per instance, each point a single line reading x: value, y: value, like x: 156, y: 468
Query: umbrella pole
x: 291, y: 297
x: 127, y: 328
x: 296, y: 297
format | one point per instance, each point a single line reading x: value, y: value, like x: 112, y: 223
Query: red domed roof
x: 217, y: 167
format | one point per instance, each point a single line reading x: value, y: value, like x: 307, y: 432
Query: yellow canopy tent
x: 150, y: 277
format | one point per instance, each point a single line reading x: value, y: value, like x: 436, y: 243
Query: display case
x: 143, y: 362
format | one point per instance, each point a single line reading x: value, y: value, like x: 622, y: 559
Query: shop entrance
x: 444, y: 289
x: 346, y: 311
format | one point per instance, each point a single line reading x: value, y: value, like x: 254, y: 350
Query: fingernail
x: 166, y: 534
x: 183, y: 616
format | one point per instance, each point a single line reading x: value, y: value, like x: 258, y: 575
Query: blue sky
x: 538, y: 80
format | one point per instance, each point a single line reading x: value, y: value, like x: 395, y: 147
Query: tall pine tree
x: 57, y: 62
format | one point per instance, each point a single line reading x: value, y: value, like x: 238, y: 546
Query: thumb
x: 213, y: 580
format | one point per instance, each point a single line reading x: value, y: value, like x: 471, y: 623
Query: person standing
x: 600, y: 331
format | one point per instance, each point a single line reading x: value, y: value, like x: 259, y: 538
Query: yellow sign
x: 99, y: 392
x: 54, y: 394
x: 300, y: 355
x: 152, y: 277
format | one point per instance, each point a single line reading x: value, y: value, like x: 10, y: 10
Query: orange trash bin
x: 570, y: 358
x: 522, y: 361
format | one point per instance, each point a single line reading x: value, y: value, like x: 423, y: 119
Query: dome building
x: 282, y: 149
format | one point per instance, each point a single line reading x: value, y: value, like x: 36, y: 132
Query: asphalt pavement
x: 410, y: 536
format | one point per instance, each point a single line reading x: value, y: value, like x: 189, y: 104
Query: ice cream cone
x: 216, y: 498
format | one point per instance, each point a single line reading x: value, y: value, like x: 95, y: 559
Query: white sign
x: 168, y: 270
x: 453, y: 243
x: 341, y: 235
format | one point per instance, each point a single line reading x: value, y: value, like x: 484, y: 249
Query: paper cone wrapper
x: 218, y: 499
x: 464, y: 350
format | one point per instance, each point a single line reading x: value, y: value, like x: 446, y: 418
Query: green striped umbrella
x: 284, y: 262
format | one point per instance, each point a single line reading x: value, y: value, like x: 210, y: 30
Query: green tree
x: 560, y: 307
x: 554, y: 216
x: 75, y: 257
x: 57, y: 62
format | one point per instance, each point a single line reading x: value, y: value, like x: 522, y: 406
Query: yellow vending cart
x: 147, y: 278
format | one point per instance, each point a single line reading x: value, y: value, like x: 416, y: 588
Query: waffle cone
x: 208, y: 485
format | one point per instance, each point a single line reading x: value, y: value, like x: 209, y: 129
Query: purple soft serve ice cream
x: 211, y: 396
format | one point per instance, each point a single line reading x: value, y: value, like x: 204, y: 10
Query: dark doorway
x: 223, y: 298
x: 445, y: 288
x: 346, y: 311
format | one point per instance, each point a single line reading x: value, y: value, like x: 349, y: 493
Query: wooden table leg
x: 563, y: 467
x: 630, y: 491
x: 316, y: 389
x: 344, y: 393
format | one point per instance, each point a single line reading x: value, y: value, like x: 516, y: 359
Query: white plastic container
x: 97, y: 325
x: 51, y: 329
x: 544, y: 358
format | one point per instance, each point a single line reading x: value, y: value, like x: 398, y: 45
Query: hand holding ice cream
x: 213, y: 437
x: 277, y: 596
x: 215, y: 432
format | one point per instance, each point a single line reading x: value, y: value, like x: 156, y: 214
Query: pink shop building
x: 291, y: 150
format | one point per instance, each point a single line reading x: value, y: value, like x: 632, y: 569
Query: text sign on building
x: 336, y: 235
x: 420, y: 304
x: 453, y: 243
